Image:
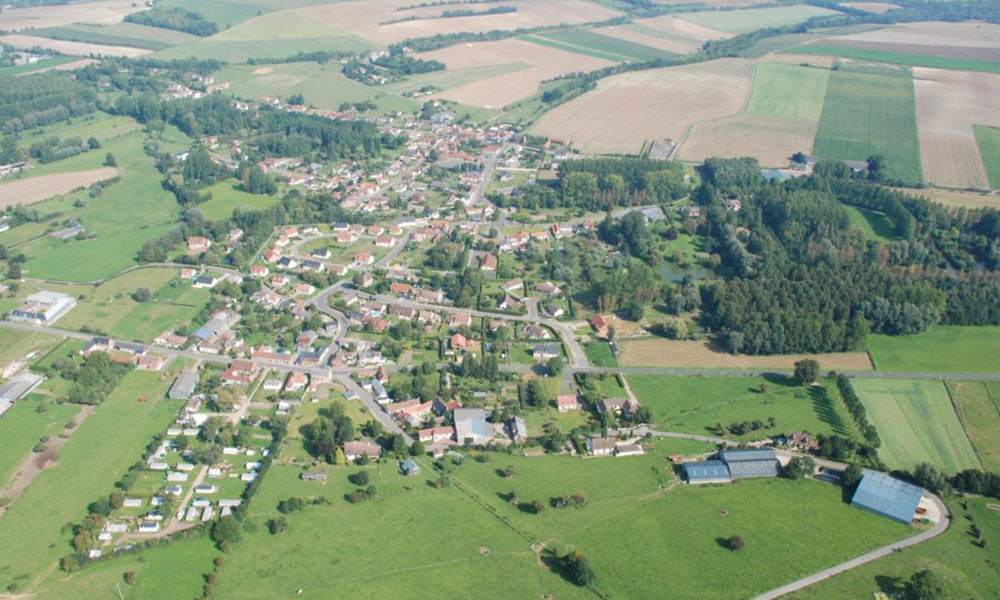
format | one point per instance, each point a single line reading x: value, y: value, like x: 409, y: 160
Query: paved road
x: 373, y: 407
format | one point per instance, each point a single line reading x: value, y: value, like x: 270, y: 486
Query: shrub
x: 735, y: 543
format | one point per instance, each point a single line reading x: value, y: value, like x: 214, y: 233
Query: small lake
x: 673, y: 273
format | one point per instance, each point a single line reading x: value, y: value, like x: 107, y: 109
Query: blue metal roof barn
x: 706, y: 471
x: 734, y: 464
x: 887, y: 496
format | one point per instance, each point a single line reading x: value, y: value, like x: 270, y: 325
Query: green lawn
x: 970, y: 571
x: 874, y: 225
x: 988, y: 140
x: 599, y: 354
x: 101, y: 449
x: 697, y: 404
x: 788, y: 91
x: 917, y: 423
x: 899, y: 58
x: 22, y: 425
x: 745, y: 21
x: 226, y: 197
x: 866, y: 114
x: 979, y: 412
x: 590, y: 43
x: 943, y: 349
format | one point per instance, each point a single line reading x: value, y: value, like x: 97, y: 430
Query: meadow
x: 696, y: 404
x: 18, y: 343
x: 980, y: 414
x: 867, y: 114
x: 917, y: 423
x: 97, y: 454
x: 874, y: 225
x: 227, y: 197
x: 943, y: 349
x: 988, y: 140
x: 48, y: 63
x: 788, y: 91
x: 745, y: 21
x: 661, y: 352
x: 599, y: 354
x: 23, y: 425
x: 119, y: 34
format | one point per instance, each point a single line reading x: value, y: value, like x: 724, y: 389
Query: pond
x: 671, y: 272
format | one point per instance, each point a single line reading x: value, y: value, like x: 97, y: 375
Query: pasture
x: 627, y: 109
x: 227, y: 197
x: 696, y: 404
x: 949, y: 104
x: 17, y: 344
x: 866, y: 114
x: 752, y: 19
x: 599, y: 354
x: 661, y: 352
x: 943, y: 349
x: 979, y: 412
x: 988, y: 141
x: 874, y: 225
x: 29, y: 190
x: 917, y: 423
x: 22, y: 426
x: 97, y: 454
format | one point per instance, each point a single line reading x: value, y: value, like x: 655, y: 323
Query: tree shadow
x: 779, y: 379
x: 824, y: 409
x: 506, y: 497
x: 722, y: 543
x: 551, y: 559
x: 890, y: 585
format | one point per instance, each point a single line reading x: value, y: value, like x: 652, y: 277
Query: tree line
x: 175, y: 18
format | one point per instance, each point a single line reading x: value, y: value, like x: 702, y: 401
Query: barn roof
x: 887, y: 496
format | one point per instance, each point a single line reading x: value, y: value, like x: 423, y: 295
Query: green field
x: 226, y: 197
x: 874, y: 225
x: 99, y: 125
x: 869, y: 114
x: 788, y: 91
x: 988, y: 140
x: 18, y: 343
x: 590, y: 43
x: 979, y: 412
x: 22, y: 425
x: 452, y: 78
x: 119, y: 34
x: 899, y: 58
x: 971, y: 572
x: 943, y: 349
x: 697, y: 404
x: 599, y: 354
x: 97, y: 454
x: 55, y: 61
x: 917, y: 423
x: 752, y: 19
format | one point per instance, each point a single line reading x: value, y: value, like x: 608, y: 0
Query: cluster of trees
x: 532, y: 394
x: 92, y: 380
x: 743, y: 427
x: 597, y: 184
x: 177, y: 19
x: 328, y: 432
x: 52, y: 148
x: 857, y: 410
x: 465, y: 12
x: 443, y: 40
x: 799, y: 467
x: 978, y: 482
x: 404, y: 64
x: 43, y: 99
x: 487, y: 368
x: 569, y: 500
x: 631, y: 235
x: 317, y: 56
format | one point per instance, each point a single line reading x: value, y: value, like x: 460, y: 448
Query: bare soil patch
x: 35, y: 189
x: 501, y: 90
x: 958, y: 35
x: 72, y: 48
x: 685, y: 29
x: 627, y: 109
x: 103, y: 12
x: 771, y: 141
x: 263, y: 71
x: 680, y: 46
x: 948, y: 104
x: 658, y: 352
x: 957, y: 198
x: 879, y: 8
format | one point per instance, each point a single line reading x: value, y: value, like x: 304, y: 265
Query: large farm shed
x: 887, y: 496
x: 734, y: 464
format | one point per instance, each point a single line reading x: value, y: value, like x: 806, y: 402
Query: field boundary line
x: 953, y: 398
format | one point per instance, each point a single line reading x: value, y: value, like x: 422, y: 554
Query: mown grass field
x: 23, y: 425
x: 119, y: 34
x: 899, y: 58
x: 16, y: 343
x: 227, y: 197
x: 583, y: 41
x: 943, y: 349
x: 988, y: 140
x: 599, y: 354
x: 980, y: 415
x: 744, y: 21
x: 697, y: 404
x: 917, y: 423
x: 867, y: 114
x: 970, y: 571
x: 97, y: 454
x: 788, y: 91
x: 875, y: 226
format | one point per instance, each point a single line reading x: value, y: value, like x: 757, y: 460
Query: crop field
x: 674, y: 28
x: 988, y: 141
x: 943, y: 349
x: 102, y: 11
x: 521, y: 65
x: 899, y: 58
x: 696, y: 404
x: 30, y: 190
x: 867, y: 114
x: 879, y: 8
x: 752, y: 19
x: 42, y: 65
x: 980, y: 414
x: 227, y: 197
x: 591, y: 43
x: 119, y: 34
x: 97, y: 454
x: 21, y: 427
x: 917, y: 423
x: 958, y: 198
x: 949, y: 103
x: 226, y: 14
x: 647, y: 36
x: 19, y: 40
x: 789, y: 91
x: 628, y: 109
x: 661, y: 352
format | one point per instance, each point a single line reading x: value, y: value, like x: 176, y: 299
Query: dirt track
x: 35, y: 189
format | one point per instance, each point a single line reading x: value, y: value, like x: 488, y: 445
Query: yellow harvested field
x: 949, y: 103
x: 677, y: 45
x: 504, y: 89
x: 659, y: 352
x: 104, y: 12
x: 364, y: 19
x: 771, y: 141
x: 72, y: 48
x: 627, y: 109
x: 35, y: 189
x: 957, y: 198
x: 878, y: 8
x: 685, y: 29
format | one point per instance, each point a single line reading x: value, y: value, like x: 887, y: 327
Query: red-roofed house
x: 599, y: 324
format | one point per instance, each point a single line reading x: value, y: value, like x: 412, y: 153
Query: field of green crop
x: 227, y: 197
x: 752, y: 19
x: 899, y: 58
x: 788, y: 91
x: 697, y: 404
x: 943, y: 349
x: 980, y: 414
x: 583, y: 41
x: 119, y: 34
x: 869, y: 114
x: 988, y: 140
x: 917, y: 423
x: 97, y: 454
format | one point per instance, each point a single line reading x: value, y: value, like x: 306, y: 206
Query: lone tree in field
x: 735, y: 543
x: 799, y: 467
x: 579, y: 568
x: 926, y: 585
x: 806, y: 371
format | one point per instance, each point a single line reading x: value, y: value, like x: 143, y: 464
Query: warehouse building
x: 887, y: 496
x: 43, y: 308
x: 184, y: 386
x: 733, y: 464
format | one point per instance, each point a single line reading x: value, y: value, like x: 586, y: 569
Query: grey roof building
x: 184, y: 385
x: 470, y: 424
x: 19, y: 386
x: 734, y: 464
x: 887, y: 496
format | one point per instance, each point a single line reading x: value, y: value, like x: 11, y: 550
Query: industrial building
x: 887, y: 496
x: 470, y: 424
x: 43, y: 308
x: 184, y: 386
x: 733, y: 464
